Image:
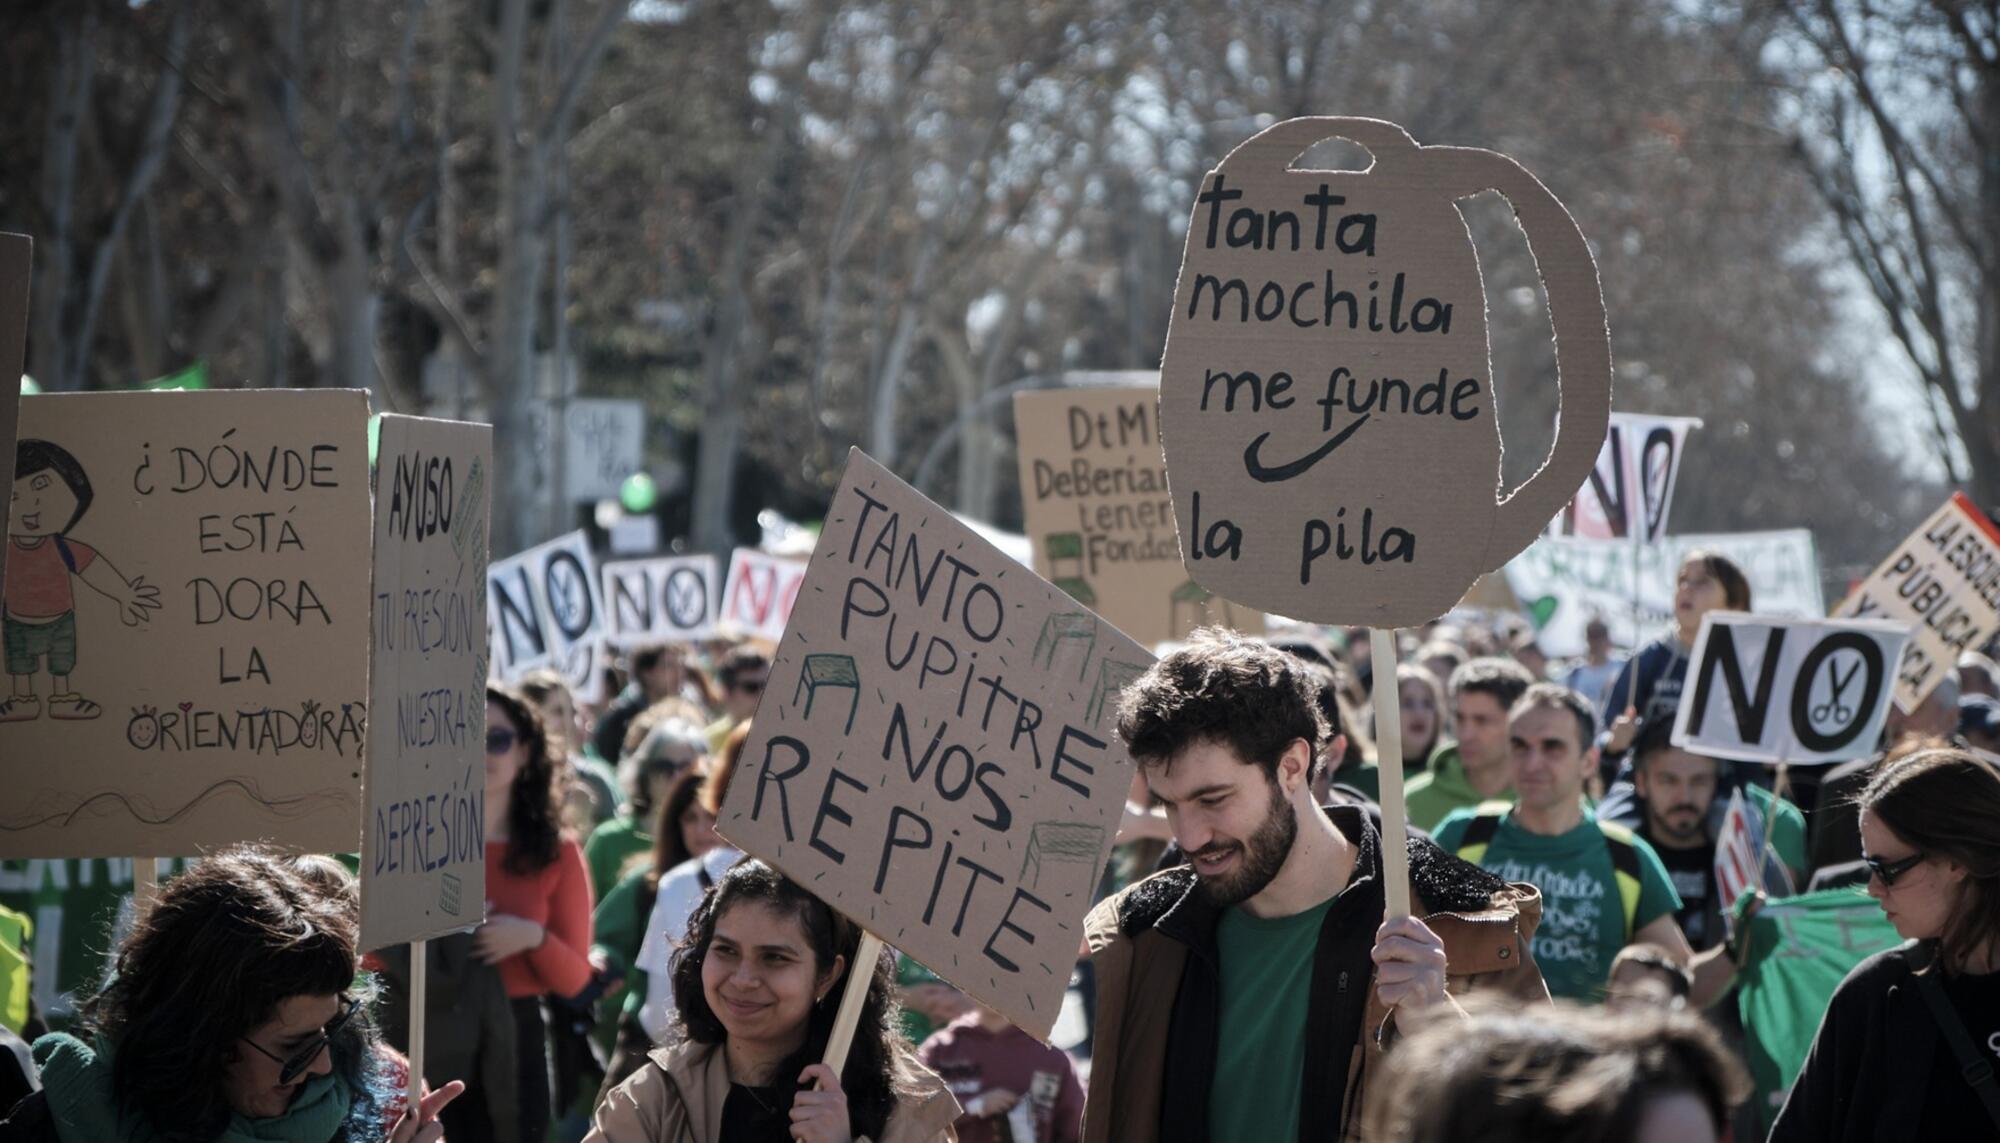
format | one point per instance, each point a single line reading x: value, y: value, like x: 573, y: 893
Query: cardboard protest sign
x: 934, y: 756
x: 758, y: 599
x: 1326, y: 396
x: 1631, y: 487
x: 1094, y: 497
x: 1944, y: 580
x: 1564, y: 583
x: 1797, y: 691
x: 187, y: 622
x: 673, y: 598
x: 17, y: 264
x: 423, y: 825
x: 546, y: 611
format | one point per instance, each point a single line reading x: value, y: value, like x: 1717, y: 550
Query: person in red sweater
x: 1013, y: 1087
x: 538, y: 898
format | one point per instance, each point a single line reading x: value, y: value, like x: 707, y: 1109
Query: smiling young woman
x: 757, y: 984
x: 1883, y: 1066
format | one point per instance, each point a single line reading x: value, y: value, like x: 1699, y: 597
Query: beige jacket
x: 678, y: 1096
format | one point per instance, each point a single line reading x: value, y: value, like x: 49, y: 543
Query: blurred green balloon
x: 638, y: 494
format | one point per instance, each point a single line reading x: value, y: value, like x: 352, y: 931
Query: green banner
x: 1800, y: 949
x: 193, y: 377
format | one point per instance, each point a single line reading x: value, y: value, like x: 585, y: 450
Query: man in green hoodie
x: 1473, y: 769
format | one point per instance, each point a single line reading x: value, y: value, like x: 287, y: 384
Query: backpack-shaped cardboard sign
x: 1326, y: 402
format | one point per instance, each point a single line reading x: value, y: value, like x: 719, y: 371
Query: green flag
x: 1799, y: 950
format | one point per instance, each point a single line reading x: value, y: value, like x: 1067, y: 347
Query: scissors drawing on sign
x: 1834, y: 710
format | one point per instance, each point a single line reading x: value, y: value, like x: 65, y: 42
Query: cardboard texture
x: 1095, y: 503
x: 1631, y: 487
x: 206, y: 605
x: 1326, y: 396
x: 1796, y: 691
x: 934, y: 756
x: 1562, y: 583
x: 757, y: 600
x: 673, y: 598
x: 17, y: 267
x: 423, y: 825
x: 1944, y: 580
x: 545, y: 610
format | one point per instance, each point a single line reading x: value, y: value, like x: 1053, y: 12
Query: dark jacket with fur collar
x: 1153, y: 1048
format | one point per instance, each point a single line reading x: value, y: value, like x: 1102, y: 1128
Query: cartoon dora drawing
x: 38, y: 620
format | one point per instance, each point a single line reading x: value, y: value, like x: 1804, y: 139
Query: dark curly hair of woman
x: 534, y: 822
x: 227, y: 941
x: 875, y: 1074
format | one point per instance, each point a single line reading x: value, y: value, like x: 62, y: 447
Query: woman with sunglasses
x: 758, y: 984
x: 538, y: 898
x: 1910, y: 1041
x: 231, y: 1015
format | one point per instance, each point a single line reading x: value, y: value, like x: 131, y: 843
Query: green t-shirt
x: 1583, y: 916
x: 1431, y: 796
x: 1267, y: 966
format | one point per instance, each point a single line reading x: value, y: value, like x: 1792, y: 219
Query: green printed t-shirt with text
x: 1583, y: 918
x: 1267, y: 966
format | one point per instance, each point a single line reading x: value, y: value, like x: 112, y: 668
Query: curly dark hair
x: 534, y: 824
x: 228, y: 940
x: 877, y: 1069
x: 1226, y: 688
x: 1561, y: 1075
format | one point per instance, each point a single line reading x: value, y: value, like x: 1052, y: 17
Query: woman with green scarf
x: 231, y: 1016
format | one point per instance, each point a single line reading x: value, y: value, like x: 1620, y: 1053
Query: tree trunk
x: 510, y: 376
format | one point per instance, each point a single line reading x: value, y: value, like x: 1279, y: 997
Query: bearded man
x: 1242, y: 995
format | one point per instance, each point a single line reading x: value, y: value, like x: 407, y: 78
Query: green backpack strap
x: 1624, y: 869
x: 1480, y: 830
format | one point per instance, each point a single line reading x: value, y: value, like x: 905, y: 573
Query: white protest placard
x: 1631, y: 487
x: 935, y: 754
x: 1563, y: 583
x: 546, y: 610
x: 604, y: 441
x: 1095, y: 505
x: 1795, y: 691
x: 758, y: 598
x: 187, y: 615
x: 514, y: 614
x: 423, y: 826
x: 673, y: 598
x: 1326, y: 396
x: 1945, y: 581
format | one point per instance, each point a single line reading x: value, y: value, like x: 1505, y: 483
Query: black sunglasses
x: 295, y: 1065
x: 1888, y: 871
x: 750, y: 686
x: 499, y: 739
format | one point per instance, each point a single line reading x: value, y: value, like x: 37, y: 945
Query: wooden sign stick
x: 1389, y: 761
x: 145, y: 883
x: 419, y: 978
x: 859, y: 975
